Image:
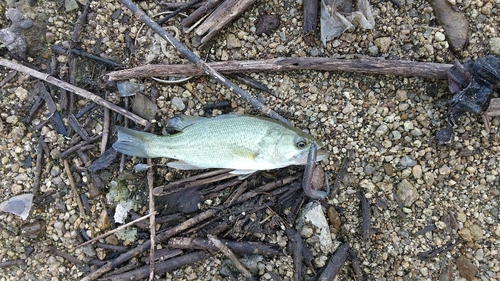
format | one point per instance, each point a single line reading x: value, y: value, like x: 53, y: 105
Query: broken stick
x: 362, y: 65
x: 224, y: 14
x: 207, y: 6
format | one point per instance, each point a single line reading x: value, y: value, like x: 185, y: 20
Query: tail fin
x: 133, y: 143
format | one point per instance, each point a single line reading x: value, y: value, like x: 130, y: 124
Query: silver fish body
x: 243, y: 143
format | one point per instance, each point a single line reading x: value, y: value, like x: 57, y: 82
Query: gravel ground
x: 388, y: 122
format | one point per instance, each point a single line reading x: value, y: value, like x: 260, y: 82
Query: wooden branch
x: 200, y: 63
x: 74, y: 89
x: 362, y: 65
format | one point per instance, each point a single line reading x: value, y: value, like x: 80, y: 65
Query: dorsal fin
x: 181, y: 121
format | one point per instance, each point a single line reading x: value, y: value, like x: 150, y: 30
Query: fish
x: 242, y: 143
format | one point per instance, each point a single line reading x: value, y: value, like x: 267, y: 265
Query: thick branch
x: 363, y: 65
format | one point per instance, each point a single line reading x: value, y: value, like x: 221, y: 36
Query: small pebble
x: 233, y: 41
x: 479, y: 255
x: 401, y: 95
x: 466, y: 268
x: 381, y: 130
x: 348, y: 108
x: 416, y: 132
x: 396, y: 135
x: 14, y: 15
x: 494, y: 45
x: 177, y: 102
x: 383, y: 44
x: 417, y: 171
x: 306, y: 232
x: 406, y: 161
x: 439, y: 36
x: 12, y: 119
x: 408, y: 125
x: 373, y: 50
x: 407, y: 193
x: 26, y: 24
x: 369, y: 169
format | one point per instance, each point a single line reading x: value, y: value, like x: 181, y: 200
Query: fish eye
x: 301, y: 143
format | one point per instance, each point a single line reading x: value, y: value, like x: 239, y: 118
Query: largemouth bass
x: 243, y: 143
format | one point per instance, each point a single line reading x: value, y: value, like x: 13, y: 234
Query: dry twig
x: 358, y: 273
x: 230, y: 255
x: 341, y: 172
x: 105, y: 129
x: 9, y: 263
x: 178, y: 10
x: 38, y: 166
x: 365, y: 212
x: 152, y: 223
x: 116, y: 229
x: 76, y: 195
x: 67, y: 256
x: 79, y: 146
x: 61, y: 50
x: 335, y: 263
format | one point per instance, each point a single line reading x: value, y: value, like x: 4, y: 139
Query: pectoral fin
x: 243, y: 174
x: 181, y: 165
